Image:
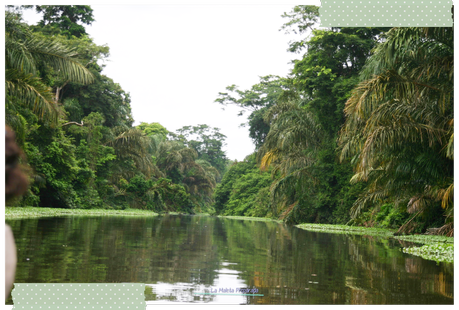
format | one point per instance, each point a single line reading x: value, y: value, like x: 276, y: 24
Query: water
x: 194, y: 259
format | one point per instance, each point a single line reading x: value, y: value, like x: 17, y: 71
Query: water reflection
x: 190, y: 293
x: 180, y: 256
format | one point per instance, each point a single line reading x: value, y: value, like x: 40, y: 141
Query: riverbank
x: 28, y: 212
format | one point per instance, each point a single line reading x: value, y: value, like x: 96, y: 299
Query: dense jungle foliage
x: 76, y: 129
x: 359, y: 132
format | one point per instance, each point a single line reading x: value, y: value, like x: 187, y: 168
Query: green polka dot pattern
x: 78, y: 296
x: 386, y: 13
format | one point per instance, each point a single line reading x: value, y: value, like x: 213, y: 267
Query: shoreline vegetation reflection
x: 434, y: 247
x: 180, y: 255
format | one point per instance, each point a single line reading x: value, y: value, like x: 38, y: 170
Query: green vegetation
x: 436, y: 252
x: 344, y: 229
x: 359, y: 133
x: 250, y: 218
x: 436, y: 248
x: 244, y: 190
x: 426, y: 239
x: 403, y: 110
x: 27, y: 212
x: 76, y: 128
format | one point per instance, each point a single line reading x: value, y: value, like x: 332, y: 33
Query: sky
x: 175, y: 58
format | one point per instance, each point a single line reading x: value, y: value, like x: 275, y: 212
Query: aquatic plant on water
x: 15, y: 212
x: 437, y: 252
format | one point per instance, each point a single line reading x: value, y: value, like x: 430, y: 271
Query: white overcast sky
x: 175, y: 58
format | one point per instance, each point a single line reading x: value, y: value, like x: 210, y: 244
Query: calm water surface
x: 182, y: 259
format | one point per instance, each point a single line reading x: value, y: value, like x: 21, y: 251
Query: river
x: 202, y: 259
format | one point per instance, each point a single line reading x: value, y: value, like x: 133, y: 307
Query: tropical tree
x: 78, y: 136
x: 131, y: 147
x: 399, y: 126
x: 257, y: 100
x: 244, y: 190
x: 24, y: 52
x: 168, y: 196
x: 181, y: 165
x: 151, y: 129
x: 302, y: 19
x: 329, y: 70
x: 326, y: 74
x: 310, y: 184
x: 206, y: 141
x: 63, y: 19
x: 35, y: 113
x: 157, y: 134
x: 199, y: 181
x: 291, y: 146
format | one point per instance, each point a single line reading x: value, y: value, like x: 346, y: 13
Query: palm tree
x: 289, y: 146
x: 24, y: 51
x: 399, y: 123
x: 200, y: 181
x: 132, y: 145
x: 174, y: 156
x: 180, y: 163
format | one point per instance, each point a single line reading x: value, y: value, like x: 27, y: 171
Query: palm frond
x: 399, y: 120
x: 31, y: 92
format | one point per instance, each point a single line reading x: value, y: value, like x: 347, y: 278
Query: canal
x: 202, y: 259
